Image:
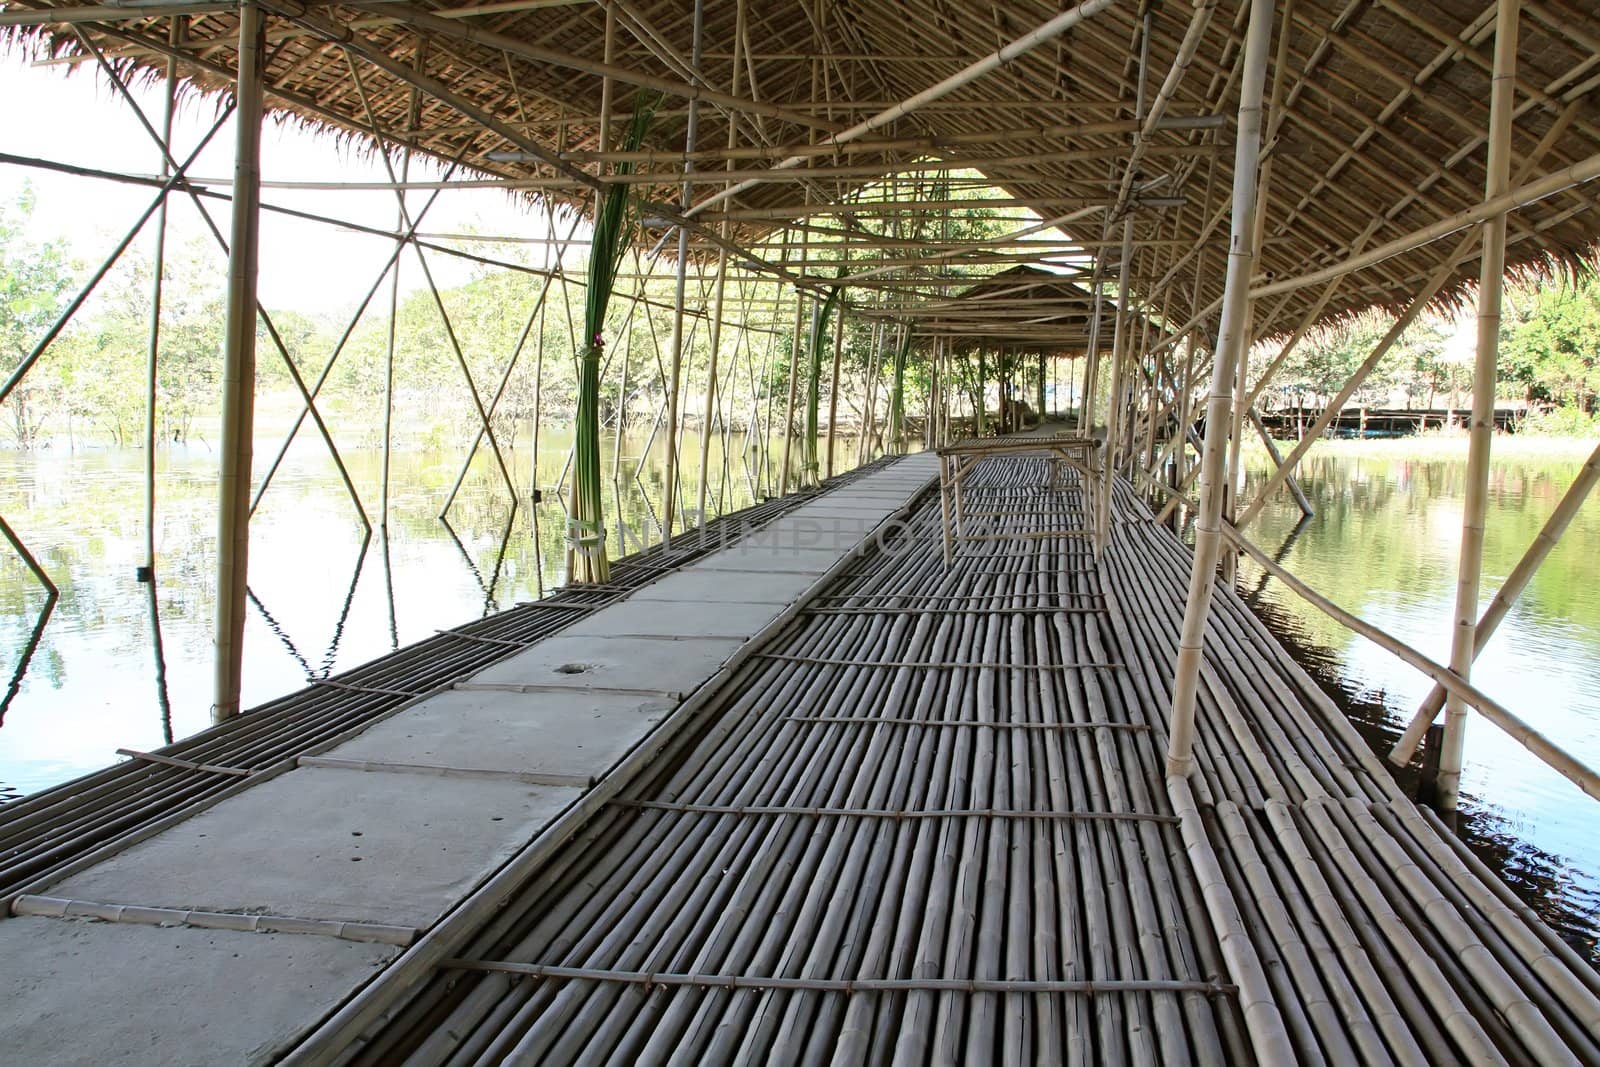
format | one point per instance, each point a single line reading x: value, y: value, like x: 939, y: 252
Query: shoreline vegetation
x: 448, y: 351
x: 1452, y: 444
x: 1563, y: 431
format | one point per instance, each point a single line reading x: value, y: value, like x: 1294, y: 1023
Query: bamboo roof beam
x: 1046, y: 31
x: 1531, y: 192
x: 417, y: 18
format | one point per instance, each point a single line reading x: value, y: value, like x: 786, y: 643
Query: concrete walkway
x: 227, y: 936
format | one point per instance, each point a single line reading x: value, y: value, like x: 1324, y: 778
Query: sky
x: 76, y: 116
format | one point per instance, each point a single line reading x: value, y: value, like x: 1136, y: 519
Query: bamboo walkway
x: 928, y: 823
x: 871, y: 809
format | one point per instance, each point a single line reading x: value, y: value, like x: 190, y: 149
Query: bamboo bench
x: 1066, y: 452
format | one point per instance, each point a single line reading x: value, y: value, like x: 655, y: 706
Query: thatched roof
x: 1383, y: 112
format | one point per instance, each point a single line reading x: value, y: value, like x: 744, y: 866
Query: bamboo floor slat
x: 800, y: 937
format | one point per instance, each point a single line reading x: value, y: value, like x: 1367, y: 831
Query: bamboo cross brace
x: 1098, y: 987
x: 760, y: 810
x: 87, y: 289
x: 294, y: 372
x: 1545, y: 750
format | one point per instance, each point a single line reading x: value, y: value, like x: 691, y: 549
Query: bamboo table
x: 1075, y: 451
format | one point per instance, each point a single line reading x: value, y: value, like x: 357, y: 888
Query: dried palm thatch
x: 1382, y: 113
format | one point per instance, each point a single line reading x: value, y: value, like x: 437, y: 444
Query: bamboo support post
x: 1232, y: 345
x: 238, y: 371
x: 833, y: 388
x: 1491, y: 286
x: 670, y: 491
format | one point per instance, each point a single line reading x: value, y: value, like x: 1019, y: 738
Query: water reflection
x: 38, y: 575
x: 331, y: 656
x: 88, y: 659
x: 159, y: 658
x: 1383, y: 545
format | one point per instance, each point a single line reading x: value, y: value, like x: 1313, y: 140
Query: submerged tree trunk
x: 810, y: 469
x: 897, y: 395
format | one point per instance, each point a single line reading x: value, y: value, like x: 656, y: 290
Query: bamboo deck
x: 928, y: 823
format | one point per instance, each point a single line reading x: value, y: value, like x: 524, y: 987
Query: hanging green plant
x: 615, y: 216
x: 809, y: 469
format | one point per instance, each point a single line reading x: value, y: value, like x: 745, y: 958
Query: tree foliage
x: 1416, y: 368
x: 1550, y: 341
x: 34, y: 279
x: 90, y: 384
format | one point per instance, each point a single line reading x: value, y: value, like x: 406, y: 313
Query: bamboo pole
x: 716, y: 302
x: 152, y: 365
x: 867, y: 436
x: 670, y: 489
x: 413, y: 116
x: 1277, y: 460
x: 1506, y: 598
x: 980, y: 408
x: 1491, y: 287
x: 714, y: 342
x: 1042, y: 377
x: 1232, y: 344
x: 1558, y: 181
x: 388, y: 360
x: 1065, y: 132
x: 1114, y: 413
x: 1263, y: 1020
x: 1186, y: 405
x: 153, y: 347
x: 1234, y: 484
x: 794, y: 385
x: 239, y: 371
x: 1276, y: 115
x: 833, y: 386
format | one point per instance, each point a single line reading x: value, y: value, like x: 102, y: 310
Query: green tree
x: 34, y: 278
x: 1550, y: 342
x: 1327, y: 358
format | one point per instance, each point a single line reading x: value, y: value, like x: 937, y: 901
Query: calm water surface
x: 324, y: 596
x: 1383, y: 545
